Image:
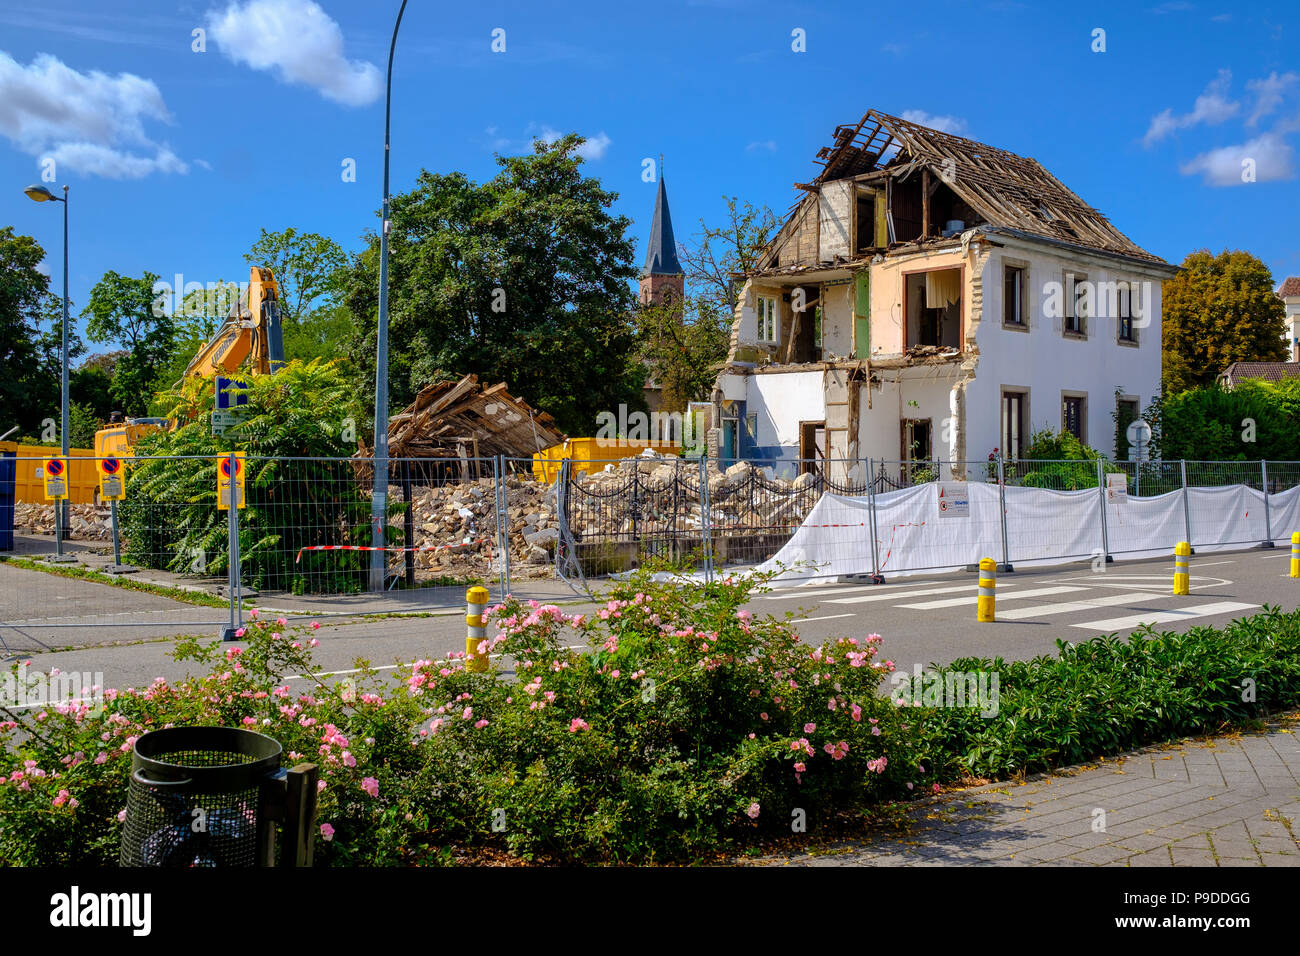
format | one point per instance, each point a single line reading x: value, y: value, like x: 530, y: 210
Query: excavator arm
x: 251, y: 329
x: 250, y: 332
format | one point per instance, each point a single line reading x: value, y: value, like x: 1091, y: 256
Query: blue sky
x: 176, y: 158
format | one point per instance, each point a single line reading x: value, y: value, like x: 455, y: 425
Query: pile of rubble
x: 665, y: 499
x: 86, y: 522
x: 638, y: 497
x: 456, y: 525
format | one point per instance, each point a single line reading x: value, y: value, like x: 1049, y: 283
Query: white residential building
x: 1289, y: 293
x: 931, y: 297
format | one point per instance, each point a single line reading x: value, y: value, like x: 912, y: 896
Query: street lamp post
x: 41, y: 194
x: 379, y: 493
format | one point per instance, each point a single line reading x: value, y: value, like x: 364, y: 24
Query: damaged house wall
x: 900, y: 248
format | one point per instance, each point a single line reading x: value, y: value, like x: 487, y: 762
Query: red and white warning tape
x: 361, y: 547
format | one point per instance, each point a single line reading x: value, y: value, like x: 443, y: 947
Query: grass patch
x: 199, y: 598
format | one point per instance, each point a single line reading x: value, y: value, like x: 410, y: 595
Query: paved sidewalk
x: 1226, y: 801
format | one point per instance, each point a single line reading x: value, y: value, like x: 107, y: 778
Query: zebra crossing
x: 1109, y: 604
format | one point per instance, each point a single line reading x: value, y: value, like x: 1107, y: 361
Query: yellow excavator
x: 251, y: 333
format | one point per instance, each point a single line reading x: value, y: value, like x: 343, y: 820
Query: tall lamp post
x: 379, y: 493
x: 41, y: 194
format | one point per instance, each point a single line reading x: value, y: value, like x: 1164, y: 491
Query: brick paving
x: 1223, y: 801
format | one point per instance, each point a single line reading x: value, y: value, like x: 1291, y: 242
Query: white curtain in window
x: 942, y: 288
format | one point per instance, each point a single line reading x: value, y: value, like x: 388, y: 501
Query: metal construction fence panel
x: 305, y: 541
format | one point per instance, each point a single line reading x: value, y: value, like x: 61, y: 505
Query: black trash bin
x: 210, y: 797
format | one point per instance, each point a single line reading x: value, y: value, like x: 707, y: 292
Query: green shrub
x: 1109, y: 695
x: 300, y: 488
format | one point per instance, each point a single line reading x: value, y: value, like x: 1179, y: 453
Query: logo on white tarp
x: 954, y: 499
x: 1116, y: 488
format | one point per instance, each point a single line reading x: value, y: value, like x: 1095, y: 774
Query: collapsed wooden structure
x: 452, y: 426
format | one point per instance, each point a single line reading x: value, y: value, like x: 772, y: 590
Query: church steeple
x: 662, y: 274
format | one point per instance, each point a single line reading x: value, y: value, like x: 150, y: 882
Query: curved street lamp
x: 38, y: 193
x: 379, y: 492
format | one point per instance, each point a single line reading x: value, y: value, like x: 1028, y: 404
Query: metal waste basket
x: 211, y: 797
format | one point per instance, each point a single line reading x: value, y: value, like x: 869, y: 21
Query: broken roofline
x: 1000, y: 187
x: 842, y: 268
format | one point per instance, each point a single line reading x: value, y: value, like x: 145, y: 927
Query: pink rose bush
x: 685, y: 715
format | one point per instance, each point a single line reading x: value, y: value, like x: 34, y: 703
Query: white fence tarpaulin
x: 915, y: 534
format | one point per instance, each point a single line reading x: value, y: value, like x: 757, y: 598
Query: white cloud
x: 299, y: 42
x: 1211, y: 107
x: 83, y: 120
x: 765, y: 144
x: 1269, y: 94
x: 595, y: 146
x: 1273, y: 157
x: 944, y: 124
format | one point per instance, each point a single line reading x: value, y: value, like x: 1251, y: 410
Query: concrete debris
x: 86, y: 522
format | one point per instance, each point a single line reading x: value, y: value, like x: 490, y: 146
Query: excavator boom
x: 250, y: 333
x: 252, y: 328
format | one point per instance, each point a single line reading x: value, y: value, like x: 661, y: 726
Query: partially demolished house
x: 930, y: 297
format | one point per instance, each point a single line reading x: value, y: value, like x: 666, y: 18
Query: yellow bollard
x: 987, y: 590
x: 476, y: 602
x: 1182, y: 578
x: 1295, y: 554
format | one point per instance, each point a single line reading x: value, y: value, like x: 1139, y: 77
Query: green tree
x: 27, y: 392
x: 296, y: 431
x: 91, y: 384
x: 122, y: 309
x: 684, y: 343
x: 1216, y: 311
x: 523, y: 279
x: 1255, y: 420
x: 721, y: 254
x: 194, y: 323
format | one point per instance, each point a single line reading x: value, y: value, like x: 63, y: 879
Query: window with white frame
x: 768, y: 330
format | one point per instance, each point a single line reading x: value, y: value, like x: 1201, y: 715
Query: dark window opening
x: 866, y: 227
x: 1013, y: 291
x: 916, y: 447
x: 1076, y: 305
x: 1125, y: 300
x: 1072, y: 407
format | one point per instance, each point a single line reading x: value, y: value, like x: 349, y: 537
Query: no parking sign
x: 112, y: 479
x: 56, y: 479
x: 230, y: 475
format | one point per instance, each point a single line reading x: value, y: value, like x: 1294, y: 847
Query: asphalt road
x: 922, y: 620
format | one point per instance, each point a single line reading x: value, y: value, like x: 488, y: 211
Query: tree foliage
x: 521, y: 279
x: 1252, y: 421
x: 297, y: 432
x: 1216, y: 311
x: 122, y: 309
x: 29, y: 387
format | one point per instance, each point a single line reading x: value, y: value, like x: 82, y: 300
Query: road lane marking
x: 792, y: 593
x: 970, y: 598
x: 892, y: 595
x: 829, y: 617
x: 1083, y: 604
x: 1165, y: 617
